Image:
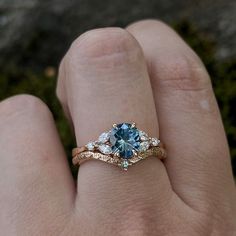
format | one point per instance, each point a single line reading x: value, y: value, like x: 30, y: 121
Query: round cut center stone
x: 125, y: 139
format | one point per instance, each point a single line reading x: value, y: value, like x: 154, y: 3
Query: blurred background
x: 34, y: 35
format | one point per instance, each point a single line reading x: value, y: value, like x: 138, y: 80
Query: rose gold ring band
x: 80, y: 155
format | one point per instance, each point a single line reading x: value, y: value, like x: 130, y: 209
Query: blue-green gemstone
x: 125, y: 139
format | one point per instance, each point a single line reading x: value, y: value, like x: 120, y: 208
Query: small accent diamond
x: 155, y: 141
x: 125, y: 165
x: 144, y: 146
x: 105, y: 149
x: 143, y: 135
x: 104, y: 137
x: 90, y: 146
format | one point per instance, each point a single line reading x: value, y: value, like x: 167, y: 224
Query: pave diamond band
x: 124, y: 145
x: 79, y: 158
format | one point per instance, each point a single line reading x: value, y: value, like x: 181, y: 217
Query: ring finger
x: 103, y: 80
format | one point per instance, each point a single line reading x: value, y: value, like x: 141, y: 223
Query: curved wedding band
x: 124, y: 145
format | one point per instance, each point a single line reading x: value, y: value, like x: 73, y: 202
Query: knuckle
x: 184, y: 73
x: 22, y: 121
x: 22, y: 105
x: 107, y: 46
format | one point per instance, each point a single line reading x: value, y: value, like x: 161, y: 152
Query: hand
x: 146, y: 74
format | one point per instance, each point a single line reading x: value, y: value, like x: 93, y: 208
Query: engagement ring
x: 124, y: 145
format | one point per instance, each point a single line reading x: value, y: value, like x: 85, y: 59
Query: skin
x: 145, y: 73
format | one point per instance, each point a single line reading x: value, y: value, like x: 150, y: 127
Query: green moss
x: 15, y: 78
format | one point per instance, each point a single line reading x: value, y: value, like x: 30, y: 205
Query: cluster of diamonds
x: 146, y: 141
x: 102, y: 143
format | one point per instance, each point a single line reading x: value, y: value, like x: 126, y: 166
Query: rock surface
x: 58, y: 22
